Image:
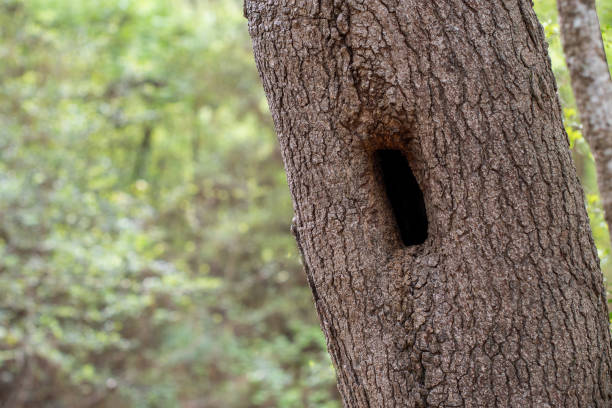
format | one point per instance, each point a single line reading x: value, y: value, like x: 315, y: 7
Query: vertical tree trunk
x: 143, y: 153
x: 502, y: 304
x: 590, y: 75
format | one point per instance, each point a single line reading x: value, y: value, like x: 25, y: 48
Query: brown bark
x: 590, y: 75
x: 503, y: 304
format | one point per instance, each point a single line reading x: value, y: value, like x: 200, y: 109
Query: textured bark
x: 503, y: 304
x: 586, y: 60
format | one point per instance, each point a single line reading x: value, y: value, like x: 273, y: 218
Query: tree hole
x: 405, y: 196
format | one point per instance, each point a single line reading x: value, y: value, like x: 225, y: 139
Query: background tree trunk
x: 590, y: 75
x: 503, y: 303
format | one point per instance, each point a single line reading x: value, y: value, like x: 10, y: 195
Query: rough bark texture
x: 586, y: 60
x: 503, y: 305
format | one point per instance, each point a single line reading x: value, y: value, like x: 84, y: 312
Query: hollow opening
x: 405, y: 196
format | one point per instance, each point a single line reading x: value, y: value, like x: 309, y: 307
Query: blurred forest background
x: 145, y: 253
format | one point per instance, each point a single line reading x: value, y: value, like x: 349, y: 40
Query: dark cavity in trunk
x: 405, y: 196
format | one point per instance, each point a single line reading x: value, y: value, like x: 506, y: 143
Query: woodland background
x: 145, y: 253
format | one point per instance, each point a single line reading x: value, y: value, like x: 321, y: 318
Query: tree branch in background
x: 143, y: 153
x: 592, y: 86
x: 122, y: 87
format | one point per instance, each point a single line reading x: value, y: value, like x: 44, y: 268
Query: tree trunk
x: 437, y: 208
x: 143, y: 153
x: 590, y: 75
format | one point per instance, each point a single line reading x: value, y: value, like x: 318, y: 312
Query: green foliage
x: 144, y: 221
x: 145, y: 254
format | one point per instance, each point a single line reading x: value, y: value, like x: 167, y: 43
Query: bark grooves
x: 503, y: 304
